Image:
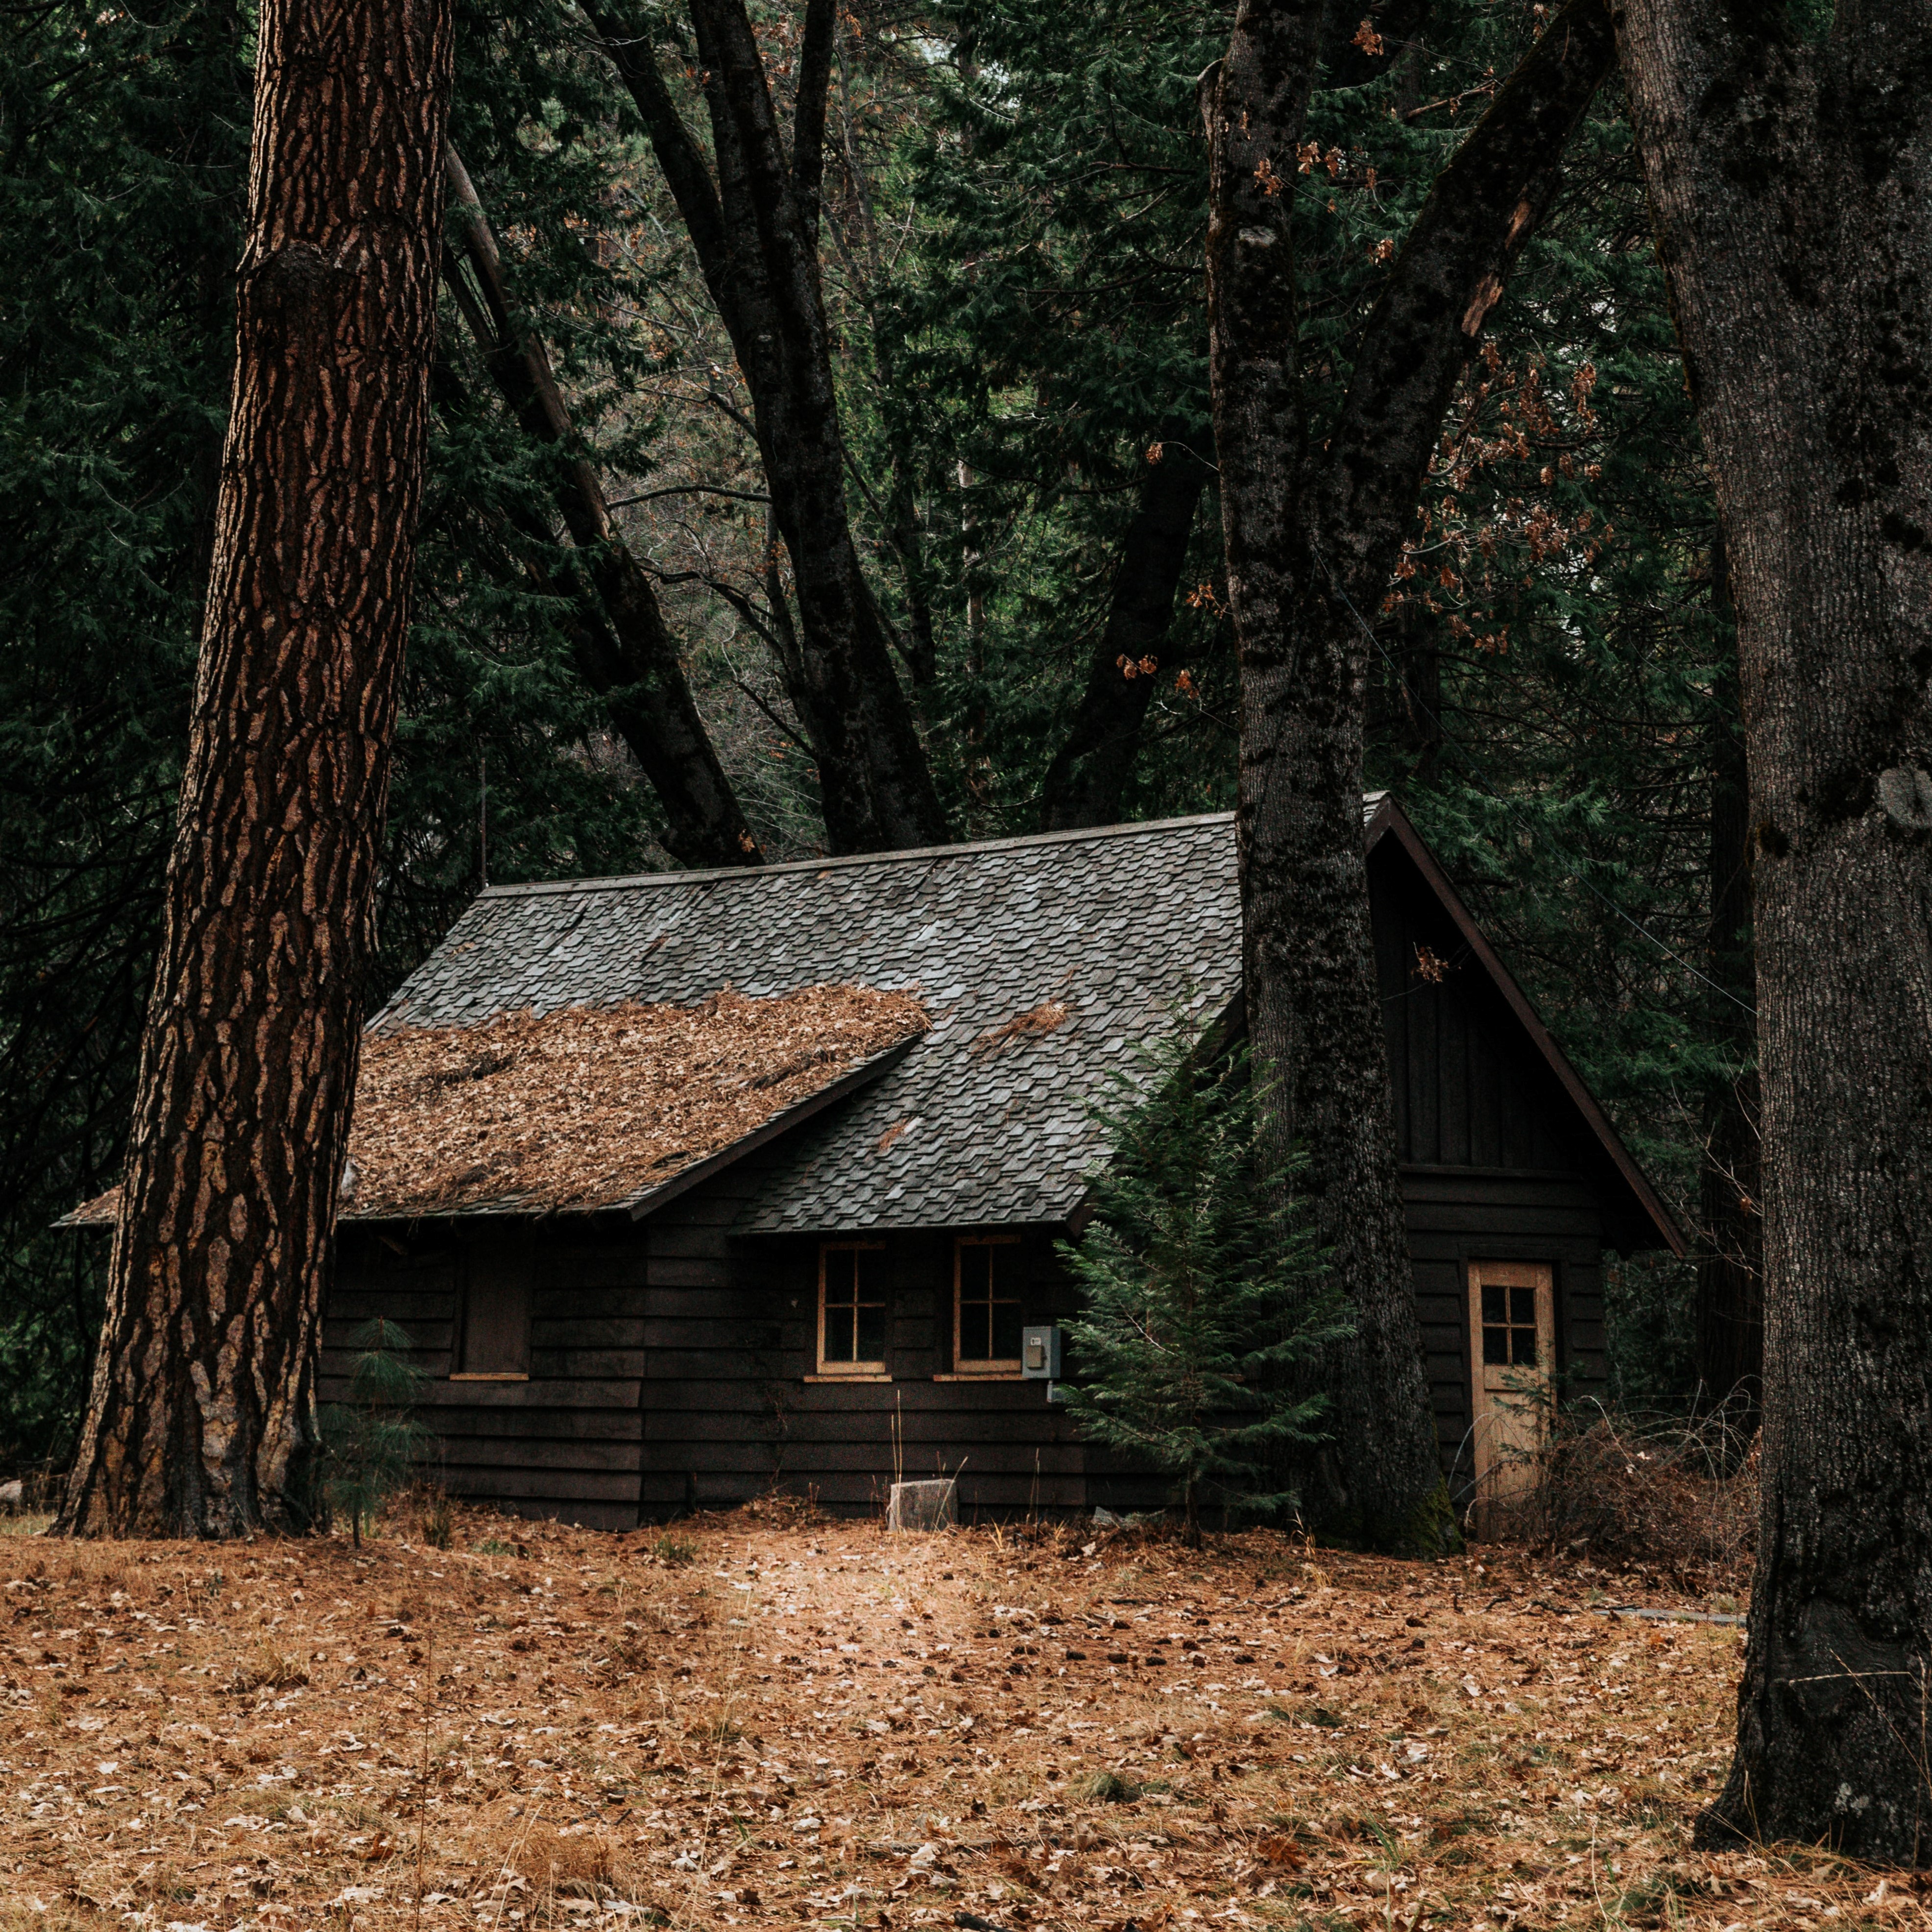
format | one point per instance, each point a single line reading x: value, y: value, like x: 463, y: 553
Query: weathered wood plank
x: 470, y: 1452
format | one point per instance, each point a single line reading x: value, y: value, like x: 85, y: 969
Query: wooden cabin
x: 806, y: 1254
x: 689, y: 1186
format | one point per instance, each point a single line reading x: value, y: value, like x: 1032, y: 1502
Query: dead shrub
x: 1677, y: 1494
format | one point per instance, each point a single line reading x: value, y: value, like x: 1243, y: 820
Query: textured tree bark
x: 200, y: 1421
x: 1086, y: 784
x: 1730, y: 1269
x: 1312, y: 534
x: 1790, y: 183
x: 753, y: 229
x: 632, y: 662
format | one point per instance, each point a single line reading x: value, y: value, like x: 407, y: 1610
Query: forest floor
x: 762, y: 1718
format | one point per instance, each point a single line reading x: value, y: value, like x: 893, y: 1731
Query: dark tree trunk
x: 632, y: 661
x: 1789, y: 184
x: 754, y: 229
x: 1087, y: 781
x: 200, y: 1422
x: 1312, y: 534
x: 1730, y: 1269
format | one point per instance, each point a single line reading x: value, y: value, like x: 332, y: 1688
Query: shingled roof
x: 1041, y: 960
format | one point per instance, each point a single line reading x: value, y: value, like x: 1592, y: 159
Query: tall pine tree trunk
x: 1790, y: 185
x: 1313, y: 528
x: 200, y: 1419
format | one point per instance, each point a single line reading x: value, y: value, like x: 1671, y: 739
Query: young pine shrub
x: 1202, y: 1288
x: 372, y: 1443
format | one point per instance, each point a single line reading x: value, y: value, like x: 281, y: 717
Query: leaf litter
x: 767, y: 1718
x: 589, y: 1107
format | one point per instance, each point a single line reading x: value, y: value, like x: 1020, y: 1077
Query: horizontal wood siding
x: 566, y: 1444
x: 729, y: 1411
x: 1457, y: 1218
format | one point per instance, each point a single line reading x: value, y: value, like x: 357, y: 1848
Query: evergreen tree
x: 1202, y: 1286
x: 372, y: 1443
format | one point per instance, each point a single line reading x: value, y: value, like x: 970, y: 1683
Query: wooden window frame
x: 995, y: 1370
x: 848, y: 1372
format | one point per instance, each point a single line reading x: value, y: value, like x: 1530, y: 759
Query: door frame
x: 1540, y: 1275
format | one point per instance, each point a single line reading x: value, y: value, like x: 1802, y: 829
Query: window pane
x: 839, y: 1284
x: 1495, y: 1345
x: 839, y: 1332
x: 1522, y: 1307
x: 868, y: 1266
x: 871, y: 1347
x: 975, y: 1272
x: 975, y: 1333
x: 1526, y: 1346
x: 1495, y: 1304
x: 1006, y: 1331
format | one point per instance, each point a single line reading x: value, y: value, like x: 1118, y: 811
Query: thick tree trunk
x: 753, y: 229
x: 1789, y: 182
x: 200, y: 1419
x: 630, y: 661
x: 1313, y: 535
x: 1730, y: 1269
x: 1086, y: 782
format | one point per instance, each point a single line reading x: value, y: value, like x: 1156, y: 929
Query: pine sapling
x: 1202, y: 1286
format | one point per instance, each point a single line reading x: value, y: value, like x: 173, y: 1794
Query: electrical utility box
x: 1040, y: 1354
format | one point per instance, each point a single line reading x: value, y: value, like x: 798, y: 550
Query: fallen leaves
x: 813, y: 1720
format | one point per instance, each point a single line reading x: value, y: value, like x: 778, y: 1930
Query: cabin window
x: 493, y: 1342
x: 852, y: 1308
x: 1509, y: 1325
x: 986, y: 1304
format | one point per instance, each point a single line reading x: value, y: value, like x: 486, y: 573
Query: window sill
x: 853, y: 1375
x: 1015, y: 1374
x: 508, y: 1375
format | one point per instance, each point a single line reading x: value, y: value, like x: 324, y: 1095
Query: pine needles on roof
x: 590, y: 1107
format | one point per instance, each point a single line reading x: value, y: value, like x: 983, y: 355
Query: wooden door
x: 1512, y: 1362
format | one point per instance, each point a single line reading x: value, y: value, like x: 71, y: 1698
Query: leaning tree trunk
x: 200, y: 1421
x: 1086, y: 782
x: 753, y: 227
x: 1790, y: 183
x: 630, y: 659
x: 1313, y: 531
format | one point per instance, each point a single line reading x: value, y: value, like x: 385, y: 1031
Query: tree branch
x: 1484, y: 208
x: 678, y: 153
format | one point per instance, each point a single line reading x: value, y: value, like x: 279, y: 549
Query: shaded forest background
x: 1014, y: 207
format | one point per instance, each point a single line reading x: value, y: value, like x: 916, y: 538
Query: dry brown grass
x: 812, y: 1723
x: 591, y: 1106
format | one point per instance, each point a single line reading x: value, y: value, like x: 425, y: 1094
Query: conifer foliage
x: 1202, y: 1286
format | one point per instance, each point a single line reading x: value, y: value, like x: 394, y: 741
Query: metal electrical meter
x: 1040, y: 1354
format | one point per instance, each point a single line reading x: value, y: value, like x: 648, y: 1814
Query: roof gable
x: 1041, y: 962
